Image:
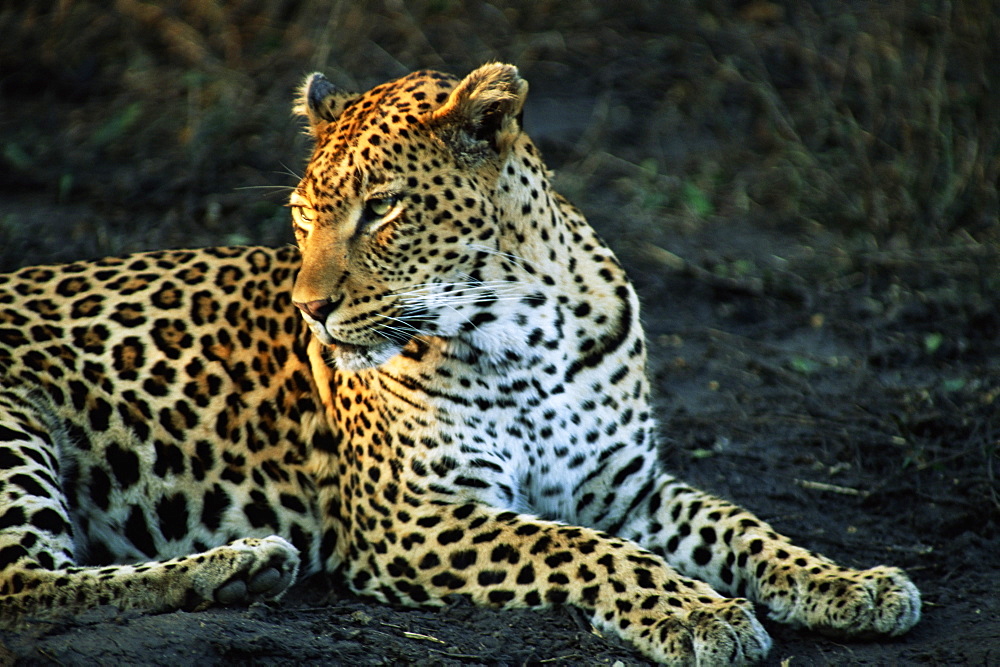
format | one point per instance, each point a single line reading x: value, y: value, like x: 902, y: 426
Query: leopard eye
x: 379, y: 207
x: 301, y: 214
x: 302, y: 219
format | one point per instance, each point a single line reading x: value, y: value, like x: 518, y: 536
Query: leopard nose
x: 319, y: 309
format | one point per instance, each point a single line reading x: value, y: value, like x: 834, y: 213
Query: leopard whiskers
x: 418, y: 301
x: 399, y: 331
x: 518, y: 261
x: 452, y: 295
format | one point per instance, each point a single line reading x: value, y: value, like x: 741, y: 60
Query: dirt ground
x: 804, y: 195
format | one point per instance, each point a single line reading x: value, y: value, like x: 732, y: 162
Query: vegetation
x: 873, y: 117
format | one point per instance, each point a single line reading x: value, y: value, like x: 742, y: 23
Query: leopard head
x: 403, y: 210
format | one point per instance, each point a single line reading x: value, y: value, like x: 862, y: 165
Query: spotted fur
x: 466, y: 411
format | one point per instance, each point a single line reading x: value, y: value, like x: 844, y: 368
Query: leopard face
x: 402, y: 226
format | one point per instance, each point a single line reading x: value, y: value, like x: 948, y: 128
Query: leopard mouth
x: 352, y: 357
x: 355, y: 356
x: 346, y: 355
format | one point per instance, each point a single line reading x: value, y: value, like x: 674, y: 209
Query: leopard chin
x: 351, y: 357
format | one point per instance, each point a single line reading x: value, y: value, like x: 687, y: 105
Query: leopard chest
x: 522, y: 439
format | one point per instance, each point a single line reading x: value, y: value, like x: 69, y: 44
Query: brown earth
x: 805, y: 196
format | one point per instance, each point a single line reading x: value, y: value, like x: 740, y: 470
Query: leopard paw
x: 720, y: 632
x: 881, y: 601
x: 246, y: 570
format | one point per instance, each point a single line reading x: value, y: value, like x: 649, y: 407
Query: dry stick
x: 50, y: 656
x: 423, y: 637
x: 558, y: 658
x: 832, y: 488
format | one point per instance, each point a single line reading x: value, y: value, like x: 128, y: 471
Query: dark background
x: 805, y: 193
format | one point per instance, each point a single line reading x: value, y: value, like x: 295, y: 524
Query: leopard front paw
x: 717, y: 632
x: 881, y: 601
x: 246, y: 570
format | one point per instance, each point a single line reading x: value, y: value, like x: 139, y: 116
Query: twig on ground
x: 832, y: 488
x: 51, y: 657
x: 558, y: 658
x: 422, y: 637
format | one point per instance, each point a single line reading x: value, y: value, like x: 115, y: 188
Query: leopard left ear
x: 321, y: 102
x: 482, y: 113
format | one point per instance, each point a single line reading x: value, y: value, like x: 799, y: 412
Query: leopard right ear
x: 321, y: 102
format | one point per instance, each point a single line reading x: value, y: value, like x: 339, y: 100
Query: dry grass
x: 875, y: 117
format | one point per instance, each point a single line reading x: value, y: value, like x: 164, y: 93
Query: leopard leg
x: 737, y: 553
x: 505, y: 559
x: 39, y: 573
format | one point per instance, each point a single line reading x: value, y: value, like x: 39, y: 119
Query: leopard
x: 439, y: 392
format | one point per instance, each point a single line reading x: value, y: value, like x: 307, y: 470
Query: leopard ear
x: 482, y: 113
x: 321, y: 102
